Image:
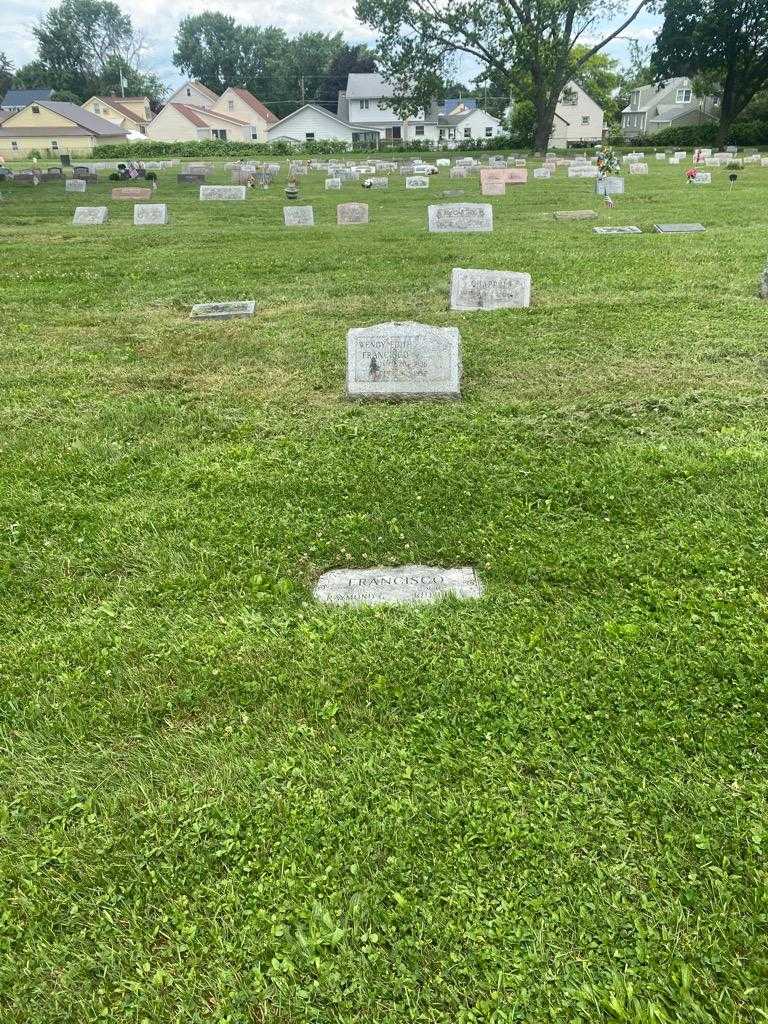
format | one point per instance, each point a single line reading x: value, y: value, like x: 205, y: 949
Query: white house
x: 243, y: 105
x: 584, y: 119
x: 180, y: 122
x: 195, y: 94
x: 466, y: 121
x: 310, y: 123
x: 672, y: 103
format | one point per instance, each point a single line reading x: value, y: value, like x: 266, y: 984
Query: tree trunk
x: 727, y: 109
x: 545, y: 117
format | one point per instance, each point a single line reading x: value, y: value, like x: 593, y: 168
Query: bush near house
x: 742, y: 133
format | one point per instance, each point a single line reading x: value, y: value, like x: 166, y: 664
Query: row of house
x: 31, y: 119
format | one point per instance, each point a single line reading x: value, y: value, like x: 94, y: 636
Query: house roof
x: 23, y: 97
x: 451, y: 120
x: 450, y: 105
x: 254, y: 104
x: 93, y: 124
x: 198, y: 115
x: 117, y: 103
x: 4, y: 114
x: 650, y: 94
x: 202, y: 88
x: 370, y: 85
x: 322, y: 110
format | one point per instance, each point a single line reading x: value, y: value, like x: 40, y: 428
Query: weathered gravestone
x: 628, y: 230
x: 702, y: 178
x: 75, y: 185
x: 638, y: 168
x: 332, y: 184
x: 403, y: 360
x: 458, y: 172
x: 85, y: 215
x: 378, y: 183
x: 443, y: 162
x: 150, y: 214
x: 299, y: 216
x: 417, y: 181
x: 492, y: 188
x: 226, y: 193
x: 132, y: 193
x: 678, y: 229
x: 542, y: 172
x: 762, y: 284
x: 575, y: 214
x: 403, y: 584
x: 352, y: 213
x: 223, y: 310
x: 460, y: 217
x: 489, y: 289
x: 610, y: 185
x: 190, y: 179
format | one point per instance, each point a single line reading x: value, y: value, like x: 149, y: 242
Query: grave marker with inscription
x: 352, y: 213
x: 403, y: 584
x: 132, y: 193
x: 150, y: 215
x: 75, y: 185
x: 299, y: 216
x: 489, y: 289
x: 332, y: 184
x: 403, y: 360
x: 85, y: 215
x: 222, y: 310
x: 629, y: 230
x: 678, y: 229
x: 224, y: 193
x: 460, y: 217
x: 417, y: 181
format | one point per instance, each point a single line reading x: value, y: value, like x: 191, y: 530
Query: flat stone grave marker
x: 681, y: 154
x: 186, y: 178
x: 610, y: 185
x: 638, y: 168
x: 702, y: 178
x: 332, y: 184
x: 678, y: 229
x: 150, y: 214
x: 542, y: 172
x: 460, y: 217
x: 403, y: 360
x: 582, y: 171
x: 661, y: 156
x: 222, y: 310
x: 85, y: 215
x: 629, y: 230
x: 417, y: 181
x: 132, y: 193
x: 575, y: 214
x: 75, y: 185
x: 489, y: 289
x: 449, y: 192
x: 299, y: 216
x: 403, y: 584
x: 226, y: 193
x: 443, y: 162
x: 379, y: 183
x: 458, y: 172
x: 352, y: 213
x: 493, y: 188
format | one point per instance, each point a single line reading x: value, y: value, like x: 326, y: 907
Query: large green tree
x: 539, y: 38
x: 723, y: 43
x: 6, y: 73
x: 347, y: 60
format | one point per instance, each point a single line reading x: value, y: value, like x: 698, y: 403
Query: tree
x: 347, y: 60
x: 6, y: 73
x: 723, y: 43
x: 213, y: 49
x: 507, y: 37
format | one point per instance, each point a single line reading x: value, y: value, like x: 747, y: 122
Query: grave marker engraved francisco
x: 489, y: 289
x: 403, y: 584
x: 408, y: 360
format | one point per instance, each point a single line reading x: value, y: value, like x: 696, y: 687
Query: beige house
x: 237, y: 116
x: 578, y: 119
x: 132, y: 113
x: 245, y: 107
x: 53, y: 128
x: 195, y: 94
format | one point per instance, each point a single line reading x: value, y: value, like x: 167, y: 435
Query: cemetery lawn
x: 223, y: 802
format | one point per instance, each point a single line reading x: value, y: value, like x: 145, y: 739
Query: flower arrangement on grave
x: 607, y: 162
x: 691, y: 174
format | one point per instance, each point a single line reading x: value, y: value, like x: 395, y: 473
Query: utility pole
x: 301, y: 86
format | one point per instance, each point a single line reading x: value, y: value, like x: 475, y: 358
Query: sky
x: 158, y: 23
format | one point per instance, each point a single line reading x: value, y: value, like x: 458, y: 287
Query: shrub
x: 213, y: 150
x: 741, y: 133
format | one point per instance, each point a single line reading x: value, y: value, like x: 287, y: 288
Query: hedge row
x: 741, y: 133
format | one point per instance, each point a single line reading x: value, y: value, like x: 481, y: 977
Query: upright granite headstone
x: 352, y: 213
x: 223, y: 310
x: 460, y: 217
x: 190, y: 179
x: 85, y: 215
x: 332, y: 184
x: 132, y: 193
x: 417, y: 181
x: 378, y: 183
x: 226, y: 193
x: 702, y: 178
x: 489, y: 289
x: 299, y: 216
x: 610, y: 185
x: 75, y: 185
x: 542, y: 172
x: 150, y: 215
x: 639, y: 168
x: 403, y: 360
x: 403, y: 584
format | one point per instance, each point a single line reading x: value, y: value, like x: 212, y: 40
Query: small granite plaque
x: 575, y: 214
x: 150, y: 214
x: 542, y: 172
x: 460, y: 217
x: 493, y: 188
x: 417, y: 181
x: 678, y: 229
x: 638, y: 168
x: 132, y: 193
x: 75, y: 185
x: 378, y: 182
x: 458, y: 172
x: 629, y: 230
x: 352, y: 213
x: 515, y: 176
x: 332, y: 184
x: 299, y: 216
x: 222, y: 310
x: 489, y: 289
x: 702, y: 178
x: 191, y: 179
x: 404, y: 584
x: 407, y: 360
x: 610, y: 185
x: 90, y: 215
x: 222, y: 192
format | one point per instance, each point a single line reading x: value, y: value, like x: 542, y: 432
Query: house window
x: 451, y: 133
x: 419, y: 129
x: 683, y: 96
x: 365, y: 104
x: 230, y: 104
x: 310, y: 136
x: 15, y: 146
x: 635, y: 98
x: 489, y: 133
x: 35, y: 110
x: 189, y: 91
x: 219, y: 133
x: 442, y: 133
x: 254, y: 136
x: 54, y: 144
x: 570, y: 98
x: 585, y: 119
x: 96, y: 108
x: 467, y: 133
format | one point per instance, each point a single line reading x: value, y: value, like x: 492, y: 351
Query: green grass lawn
x: 223, y: 802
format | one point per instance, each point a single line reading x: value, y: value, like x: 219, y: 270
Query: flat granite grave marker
x: 378, y: 183
x: 575, y: 214
x: 702, y: 178
x: 492, y: 188
x: 190, y: 179
x: 489, y: 289
x: 222, y: 310
x: 75, y: 185
x: 299, y: 216
x: 417, y: 181
x: 542, y: 172
x: 352, y: 213
x: 227, y: 193
x: 85, y: 215
x: 460, y: 217
x: 132, y: 193
x: 403, y: 360
x: 678, y: 229
x: 403, y: 584
x: 150, y: 214
x: 332, y: 184
x: 628, y: 230
x: 638, y: 168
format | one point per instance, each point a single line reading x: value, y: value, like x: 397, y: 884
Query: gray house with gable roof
x: 670, y: 104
